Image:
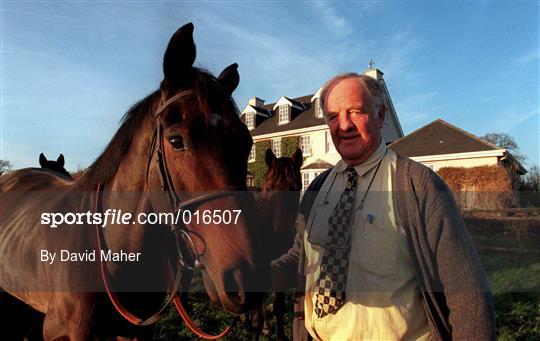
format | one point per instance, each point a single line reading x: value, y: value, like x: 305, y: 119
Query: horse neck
x: 131, y: 173
x: 126, y: 193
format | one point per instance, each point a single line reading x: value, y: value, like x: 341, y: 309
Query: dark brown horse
x: 182, y: 140
x: 281, y: 190
x: 55, y: 166
x: 278, y: 203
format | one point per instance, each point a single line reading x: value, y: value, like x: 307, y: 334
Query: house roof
x: 302, y: 114
x: 318, y: 164
x: 304, y: 119
x: 295, y: 102
x: 439, y: 137
x: 261, y: 110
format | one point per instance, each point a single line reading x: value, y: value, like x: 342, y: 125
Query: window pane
x: 330, y: 148
x: 250, y: 121
x: 283, y: 113
x: 305, y: 144
x: 252, y: 153
x: 276, y: 147
x: 305, y: 181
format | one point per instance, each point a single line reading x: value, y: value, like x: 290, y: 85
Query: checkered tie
x: 330, y: 293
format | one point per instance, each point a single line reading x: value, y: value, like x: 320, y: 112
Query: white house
x: 440, y: 144
x: 302, y: 117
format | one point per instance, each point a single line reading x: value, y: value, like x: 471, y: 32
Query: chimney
x: 374, y: 73
x: 256, y: 102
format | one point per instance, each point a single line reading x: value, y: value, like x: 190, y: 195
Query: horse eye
x: 177, y: 142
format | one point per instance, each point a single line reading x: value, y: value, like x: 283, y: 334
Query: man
x: 384, y: 252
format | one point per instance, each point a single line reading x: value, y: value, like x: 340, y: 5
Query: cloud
x: 531, y: 56
x: 19, y: 155
x: 399, y: 52
x: 512, y: 118
x: 331, y: 19
x: 26, y: 13
x: 416, y: 109
x: 518, y: 119
x: 272, y: 62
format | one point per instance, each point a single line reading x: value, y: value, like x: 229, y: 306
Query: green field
x: 510, y: 254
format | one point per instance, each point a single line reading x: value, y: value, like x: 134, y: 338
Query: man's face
x: 354, y: 126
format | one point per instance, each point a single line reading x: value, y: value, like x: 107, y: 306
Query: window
x: 283, y: 114
x: 305, y: 144
x: 305, y: 181
x: 250, y: 120
x: 307, y: 178
x: 252, y: 154
x: 276, y: 147
x: 250, y: 181
x: 318, y: 109
x: 330, y: 148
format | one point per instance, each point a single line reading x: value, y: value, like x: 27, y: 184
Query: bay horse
x: 278, y: 203
x: 55, y: 166
x: 180, y: 145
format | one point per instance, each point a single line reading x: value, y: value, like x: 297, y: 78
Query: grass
x: 514, y: 275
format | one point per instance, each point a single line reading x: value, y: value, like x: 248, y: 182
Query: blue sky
x: 69, y: 70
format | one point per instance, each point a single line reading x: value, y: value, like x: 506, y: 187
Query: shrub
x: 258, y: 168
x: 487, y: 187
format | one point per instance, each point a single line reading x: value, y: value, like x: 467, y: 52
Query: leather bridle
x: 188, y: 258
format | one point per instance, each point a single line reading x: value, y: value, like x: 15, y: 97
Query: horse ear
x: 229, y: 78
x: 180, y: 53
x: 298, y: 158
x: 269, y: 157
x: 60, y: 160
x: 42, y: 160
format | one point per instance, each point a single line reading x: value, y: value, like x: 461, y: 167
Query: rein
x: 186, y: 263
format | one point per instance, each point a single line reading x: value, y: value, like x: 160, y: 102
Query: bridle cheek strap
x: 167, y: 186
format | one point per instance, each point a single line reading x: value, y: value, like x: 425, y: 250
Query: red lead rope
x: 156, y: 317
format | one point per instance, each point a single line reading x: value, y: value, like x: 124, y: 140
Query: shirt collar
x: 367, y: 165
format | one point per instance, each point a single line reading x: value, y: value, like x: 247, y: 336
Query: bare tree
x: 531, y: 181
x: 5, y: 166
x: 505, y: 141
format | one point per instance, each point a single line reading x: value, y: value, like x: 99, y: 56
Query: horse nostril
x: 233, y: 281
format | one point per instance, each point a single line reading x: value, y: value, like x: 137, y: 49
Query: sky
x: 69, y: 70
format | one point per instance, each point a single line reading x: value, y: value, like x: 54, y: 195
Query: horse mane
x: 106, y: 165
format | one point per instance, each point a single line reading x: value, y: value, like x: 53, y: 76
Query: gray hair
x: 373, y: 87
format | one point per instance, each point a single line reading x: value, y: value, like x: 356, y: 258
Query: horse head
x: 56, y: 166
x: 281, y: 196
x: 201, y: 146
x: 283, y: 173
x: 184, y: 143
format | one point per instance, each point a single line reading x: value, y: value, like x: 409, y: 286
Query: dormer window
x: 284, y: 114
x: 250, y: 121
x: 318, y: 108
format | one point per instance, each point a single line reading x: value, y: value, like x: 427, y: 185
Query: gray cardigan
x: 455, y: 290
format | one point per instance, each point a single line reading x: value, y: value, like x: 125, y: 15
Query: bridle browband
x: 188, y: 259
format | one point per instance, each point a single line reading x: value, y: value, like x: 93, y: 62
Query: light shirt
x: 382, y: 301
